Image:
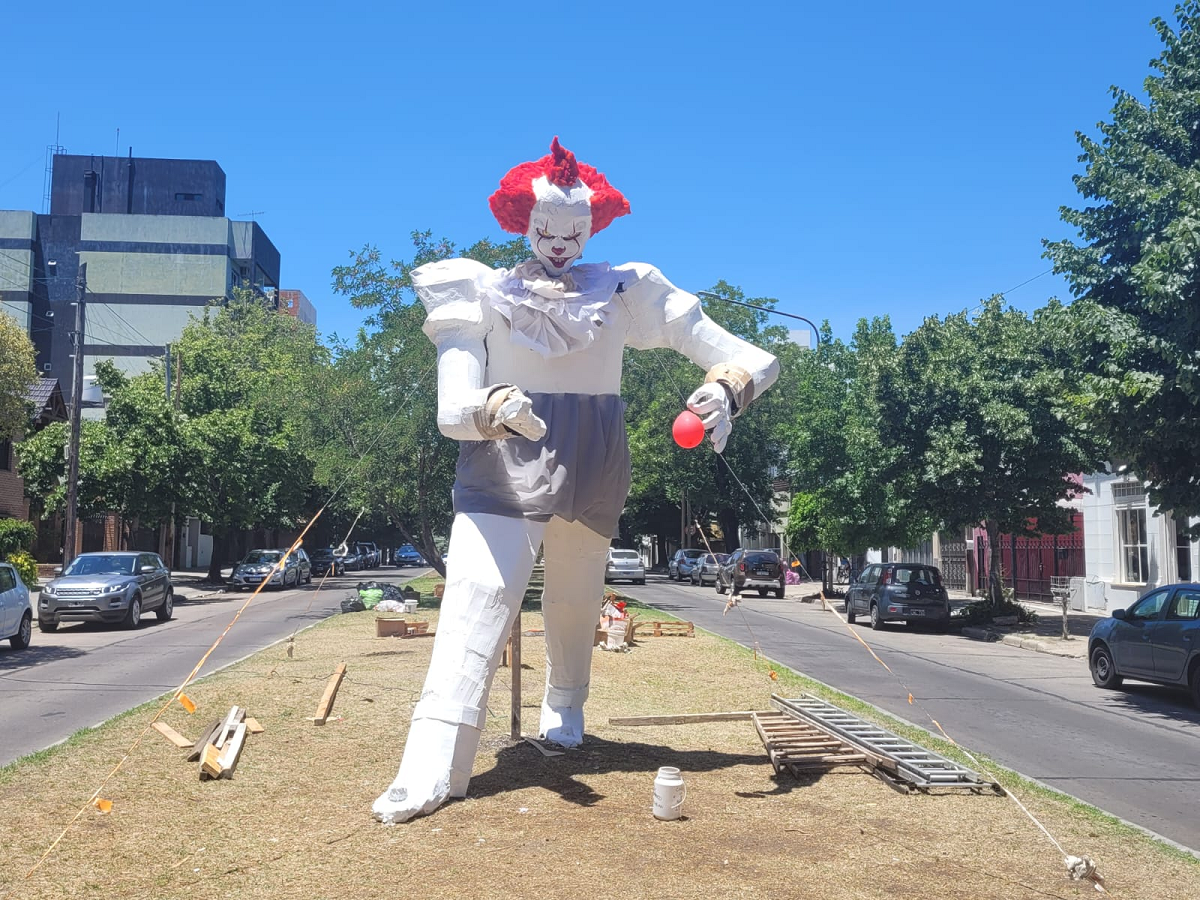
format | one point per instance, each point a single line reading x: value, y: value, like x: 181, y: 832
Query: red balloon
x: 688, y: 430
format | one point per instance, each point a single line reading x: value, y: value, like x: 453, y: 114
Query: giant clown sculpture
x: 529, y: 380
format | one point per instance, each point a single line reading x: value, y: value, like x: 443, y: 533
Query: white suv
x: 16, y: 610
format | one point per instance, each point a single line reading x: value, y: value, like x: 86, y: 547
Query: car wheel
x: 1104, y: 672
x: 49, y: 626
x: 850, y: 616
x: 1194, y: 683
x: 877, y: 623
x: 762, y: 592
x: 167, y: 609
x: 779, y: 593
x: 308, y: 580
x: 719, y: 586
x: 133, y: 615
x: 640, y: 581
x: 20, y: 640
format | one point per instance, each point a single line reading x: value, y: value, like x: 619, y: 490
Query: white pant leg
x: 575, y: 557
x: 490, y: 558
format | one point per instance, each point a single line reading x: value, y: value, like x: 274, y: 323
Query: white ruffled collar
x: 554, y: 316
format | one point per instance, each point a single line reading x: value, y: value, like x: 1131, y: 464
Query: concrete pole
x: 76, y: 419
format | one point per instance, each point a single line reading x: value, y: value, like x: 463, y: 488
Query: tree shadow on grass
x: 520, y: 765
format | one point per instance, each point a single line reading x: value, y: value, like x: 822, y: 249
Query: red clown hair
x: 513, y: 203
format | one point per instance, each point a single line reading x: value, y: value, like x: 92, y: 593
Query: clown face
x: 560, y: 224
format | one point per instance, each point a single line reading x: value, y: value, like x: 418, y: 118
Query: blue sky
x: 850, y: 160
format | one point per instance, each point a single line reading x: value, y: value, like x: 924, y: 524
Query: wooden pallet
x: 801, y: 748
x: 666, y: 629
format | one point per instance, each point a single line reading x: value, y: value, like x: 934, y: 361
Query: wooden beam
x: 172, y: 735
x: 331, y: 689
x: 236, y: 714
x: 252, y: 725
x: 210, y: 763
x: 206, y: 737
x: 683, y: 718
x: 514, y: 730
x: 229, y: 757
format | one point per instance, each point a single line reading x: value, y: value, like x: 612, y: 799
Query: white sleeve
x: 457, y: 322
x: 662, y: 315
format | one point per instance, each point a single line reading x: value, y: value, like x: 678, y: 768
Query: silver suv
x: 107, y: 587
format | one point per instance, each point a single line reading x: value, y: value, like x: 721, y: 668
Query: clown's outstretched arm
x: 665, y: 316
x: 457, y: 323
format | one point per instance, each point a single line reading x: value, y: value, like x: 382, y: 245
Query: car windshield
x: 102, y: 564
x: 917, y: 575
x: 716, y: 558
x: 625, y: 554
x: 262, y: 557
x: 693, y: 554
x: 761, y: 559
x: 322, y: 554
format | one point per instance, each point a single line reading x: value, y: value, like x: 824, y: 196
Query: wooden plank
x: 229, y: 757
x: 236, y: 714
x: 252, y: 725
x: 210, y: 763
x: 514, y: 729
x: 206, y: 737
x: 683, y: 718
x: 172, y: 735
x: 331, y: 689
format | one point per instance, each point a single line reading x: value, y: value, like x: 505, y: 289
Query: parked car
x: 107, y: 587
x: 898, y: 592
x: 323, y: 561
x: 1157, y: 639
x: 705, y: 570
x: 680, y: 566
x: 263, y: 565
x: 16, y: 611
x: 407, y: 555
x: 759, y: 570
x: 349, y: 557
x: 624, y: 565
x: 368, y: 553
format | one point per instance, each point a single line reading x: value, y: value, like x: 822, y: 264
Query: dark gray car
x: 680, y: 566
x: 115, y: 587
x: 1157, y: 639
x: 263, y: 565
x: 898, y: 592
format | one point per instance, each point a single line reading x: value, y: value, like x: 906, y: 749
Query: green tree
x: 655, y: 386
x: 374, y: 434
x: 982, y: 407
x: 246, y: 395
x: 18, y: 370
x: 1136, y: 319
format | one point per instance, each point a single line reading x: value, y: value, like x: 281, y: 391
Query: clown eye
x: 574, y: 237
x: 543, y: 234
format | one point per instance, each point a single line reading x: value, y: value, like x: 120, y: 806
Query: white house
x: 1129, y: 545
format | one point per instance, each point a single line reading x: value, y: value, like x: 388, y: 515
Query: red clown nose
x: 687, y: 430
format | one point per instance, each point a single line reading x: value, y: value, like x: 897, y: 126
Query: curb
x: 1025, y: 643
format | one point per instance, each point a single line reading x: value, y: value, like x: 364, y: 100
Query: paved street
x: 1127, y: 752
x: 83, y: 674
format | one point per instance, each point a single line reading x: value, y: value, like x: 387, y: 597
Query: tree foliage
x: 18, y: 370
x: 1136, y: 320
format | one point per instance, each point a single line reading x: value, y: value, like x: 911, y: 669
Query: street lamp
x: 816, y: 332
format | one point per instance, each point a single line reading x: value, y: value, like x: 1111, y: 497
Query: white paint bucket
x: 669, y: 793
x: 410, y: 606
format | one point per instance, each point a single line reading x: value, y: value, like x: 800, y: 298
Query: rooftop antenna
x: 117, y: 146
x: 52, y: 150
x: 252, y: 214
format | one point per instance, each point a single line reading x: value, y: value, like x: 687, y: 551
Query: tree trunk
x: 995, y: 584
x: 661, y: 540
x: 217, y: 560
x: 728, y: 518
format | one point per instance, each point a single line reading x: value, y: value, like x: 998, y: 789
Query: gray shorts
x: 578, y: 472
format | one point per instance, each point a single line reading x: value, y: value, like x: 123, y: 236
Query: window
x: 1186, y: 606
x: 871, y: 575
x: 5, y: 456
x: 1134, y: 550
x: 1149, y: 606
x: 179, y: 196
x: 7, y: 580
x: 1183, y: 555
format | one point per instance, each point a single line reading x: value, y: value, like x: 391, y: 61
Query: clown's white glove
x: 712, y: 404
x: 515, y: 412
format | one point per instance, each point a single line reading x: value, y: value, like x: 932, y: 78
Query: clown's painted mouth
x: 559, y: 262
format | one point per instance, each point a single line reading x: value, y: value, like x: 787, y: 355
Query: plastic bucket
x: 669, y: 794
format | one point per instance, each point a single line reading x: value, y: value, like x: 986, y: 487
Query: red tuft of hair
x: 513, y: 203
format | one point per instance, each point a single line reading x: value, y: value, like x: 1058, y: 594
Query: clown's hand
x: 712, y: 404
x: 516, y: 414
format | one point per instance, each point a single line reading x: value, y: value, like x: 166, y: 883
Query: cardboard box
x: 385, y: 627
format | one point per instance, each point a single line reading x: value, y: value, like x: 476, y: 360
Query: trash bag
x: 391, y: 592
x: 370, y: 597
x: 352, y: 604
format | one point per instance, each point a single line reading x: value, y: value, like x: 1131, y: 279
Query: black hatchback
x: 898, y: 592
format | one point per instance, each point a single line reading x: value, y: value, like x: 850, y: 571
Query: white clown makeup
x: 560, y: 224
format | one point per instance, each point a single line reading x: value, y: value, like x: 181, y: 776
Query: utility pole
x: 76, y: 418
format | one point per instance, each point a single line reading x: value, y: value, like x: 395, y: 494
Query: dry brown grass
x: 294, y: 821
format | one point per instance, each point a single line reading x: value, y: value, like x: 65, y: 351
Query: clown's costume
x: 529, y: 379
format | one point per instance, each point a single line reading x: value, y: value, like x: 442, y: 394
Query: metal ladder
x: 909, y: 763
